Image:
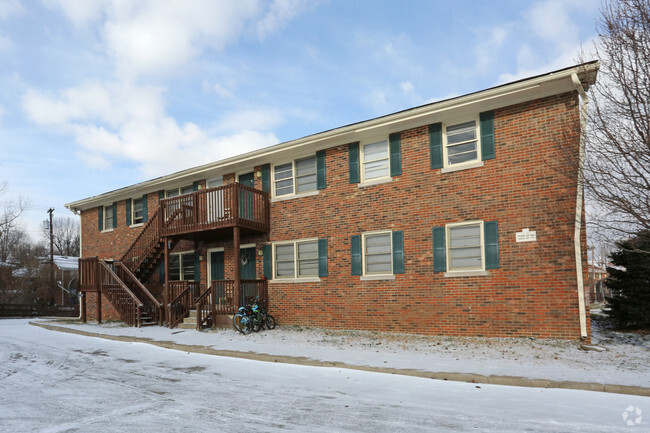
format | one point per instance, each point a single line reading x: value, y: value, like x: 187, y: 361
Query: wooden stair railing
x: 123, y: 300
x: 152, y: 308
x: 206, y: 311
x: 144, y: 253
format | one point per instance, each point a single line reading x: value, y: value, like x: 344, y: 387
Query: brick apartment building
x: 453, y: 218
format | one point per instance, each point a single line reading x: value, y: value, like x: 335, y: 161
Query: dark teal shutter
x: 435, y: 145
x: 161, y: 272
x: 267, y: 261
x: 115, y: 215
x: 195, y: 185
x: 491, y: 237
x: 100, y: 218
x: 161, y: 195
x: 266, y: 178
x: 487, y: 135
x: 145, y: 209
x: 322, y: 257
x: 197, y: 266
x: 355, y: 246
x: 439, y: 249
x: 398, y: 252
x: 353, y: 154
x: 395, y: 144
x: 128, y: 211
x: 321, y: 181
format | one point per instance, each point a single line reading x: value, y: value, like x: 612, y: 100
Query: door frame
x: 209, y: 264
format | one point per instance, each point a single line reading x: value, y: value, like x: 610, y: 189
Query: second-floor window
x: 295, y: 177
x: 109, y: 217
x: 375, y: 162
x: 462, y: 143
x: 138, y: 210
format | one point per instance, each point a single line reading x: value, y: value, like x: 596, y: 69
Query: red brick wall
x: 528, y: 185
x: 531, y: 184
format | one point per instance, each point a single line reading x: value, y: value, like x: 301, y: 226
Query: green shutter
x: 321, y: 181
x: 128, y: 211
x: 197, y: 267
x: 161, y: 195
x: 491, y: 238
x: 115, y: 215
x: 398, y: 252
x: 322, y: 257
x: 435, y: 145
x: 266, y: 178
x: 487, y: 135
x: 395, y: 144
x: 353, y: 154
x: 100, y: 218
x: 355, y: 246
x: 145, y: 209
x: 195, y: 185
x: 268, y: 261
x: 439, y: 250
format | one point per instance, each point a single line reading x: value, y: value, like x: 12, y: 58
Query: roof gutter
x: 579, y: 204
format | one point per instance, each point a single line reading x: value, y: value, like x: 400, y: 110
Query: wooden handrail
x: 123, y: 300
x: 153, y: 306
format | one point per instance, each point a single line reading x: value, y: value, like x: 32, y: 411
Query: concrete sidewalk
x: 300, y: 360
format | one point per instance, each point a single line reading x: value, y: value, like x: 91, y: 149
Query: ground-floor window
x: 181, y: 266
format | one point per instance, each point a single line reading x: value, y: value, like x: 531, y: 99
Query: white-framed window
x: 137, y: 210
x: 377, y: 253
x: 462, y: 143
x: 214, y: 182
x: 296, y: 259
x: 295, y: 177
x: 465, y: 246
x: 173, y: 192
x: 108, y: 217
x: 181, y: 266
x: 375, y: 160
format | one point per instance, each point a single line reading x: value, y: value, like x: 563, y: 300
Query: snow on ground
x: 59, y: 382
x: 625, y: 360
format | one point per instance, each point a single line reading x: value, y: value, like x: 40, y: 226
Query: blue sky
x: 100, y: 94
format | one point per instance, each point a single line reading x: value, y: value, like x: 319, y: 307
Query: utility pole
x: 51, y: 211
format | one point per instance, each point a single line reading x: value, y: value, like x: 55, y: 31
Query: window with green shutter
x: 299, y: 259
x: 296, y: 177
x: 353, y: 162
x: 466, y: 247
x: 377, y: 253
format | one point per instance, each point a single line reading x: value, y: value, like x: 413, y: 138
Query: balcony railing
x: 226, y: 206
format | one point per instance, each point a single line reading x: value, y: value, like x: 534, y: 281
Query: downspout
x: 579, y: 201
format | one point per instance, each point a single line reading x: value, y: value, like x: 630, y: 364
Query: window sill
x: 295, y: 280
x: 390, y: 277
x: 467, y: 274
x: 136, y: 225
x: 467, y: 166
x: 375, y: 182
x: 294, y: 196
x: 107, y: 230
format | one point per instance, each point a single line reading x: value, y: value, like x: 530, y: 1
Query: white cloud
x: 279, y: 14
x: 112, y: 122
x: 8, y: 9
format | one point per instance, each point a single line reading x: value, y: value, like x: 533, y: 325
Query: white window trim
x: 378, y: 276
x: 179, y: 189
x: 107, y: 229
x: 180, y: 271
x: 134, y: 224
x: 294, y: 180
x: 362, y: 171
x: 466, y: 272
x: 296, y: 278
x: 478, y: 162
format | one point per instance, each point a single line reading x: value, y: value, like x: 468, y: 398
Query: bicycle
x: 243, y: 320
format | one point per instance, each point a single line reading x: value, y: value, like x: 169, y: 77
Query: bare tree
x: 65, y: 236
x: 10, y: 212
x: 617, y: 166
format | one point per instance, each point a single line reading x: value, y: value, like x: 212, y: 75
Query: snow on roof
x: 64, y: 262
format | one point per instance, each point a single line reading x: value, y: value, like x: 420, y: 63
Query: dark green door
x: 247, y: 256
x: 246, y: 197
x: 247, y: 179
x: 217, y: 270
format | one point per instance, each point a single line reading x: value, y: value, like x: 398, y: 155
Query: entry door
x: 248, y: 272
x: 246, y: 198
x: 217, y: 269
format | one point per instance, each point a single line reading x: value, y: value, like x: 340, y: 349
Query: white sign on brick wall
x: 526, y: 236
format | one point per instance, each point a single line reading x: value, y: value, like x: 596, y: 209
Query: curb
x: 301, y: 360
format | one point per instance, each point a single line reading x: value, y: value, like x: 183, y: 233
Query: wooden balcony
x: 215, y: 209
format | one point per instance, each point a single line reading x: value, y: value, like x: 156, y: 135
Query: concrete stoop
x: 299, y: 360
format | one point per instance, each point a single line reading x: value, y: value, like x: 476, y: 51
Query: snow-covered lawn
x: 60, y: 382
